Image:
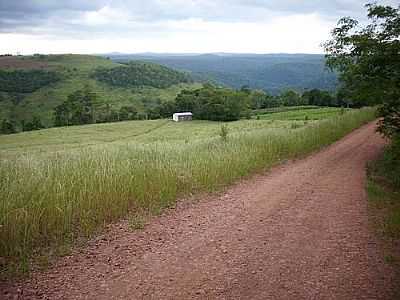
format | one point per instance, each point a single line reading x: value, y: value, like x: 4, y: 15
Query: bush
x: 35, y: 124
x: 387, y: 168
x: 7, y: 127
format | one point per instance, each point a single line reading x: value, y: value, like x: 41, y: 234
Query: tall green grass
x: 50, y: 200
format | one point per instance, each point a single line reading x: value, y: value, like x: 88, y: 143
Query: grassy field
x: 67, y: 138
x: 312, y: 113
x: 263, y: 111
x: 59, y: 185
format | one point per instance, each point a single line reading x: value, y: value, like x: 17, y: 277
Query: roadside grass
x: 387, y: 202
x: 136, y: 221
x: 51, y: 199
x: 383, y: 189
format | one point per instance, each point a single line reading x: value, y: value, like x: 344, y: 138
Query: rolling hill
x: 271, y: 72
x: 34, y: 85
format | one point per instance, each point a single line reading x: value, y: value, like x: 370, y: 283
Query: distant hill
x: 35, y: 85
x: 271, y: 72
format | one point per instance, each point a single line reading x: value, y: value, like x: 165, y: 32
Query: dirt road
x: 300, y: 231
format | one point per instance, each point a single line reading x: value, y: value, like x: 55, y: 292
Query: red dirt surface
x: 300, y: 231
x: 18, y: 62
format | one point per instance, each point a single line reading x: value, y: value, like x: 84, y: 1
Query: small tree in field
x: 224, y: 133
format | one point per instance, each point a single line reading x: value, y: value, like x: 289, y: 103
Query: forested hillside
x: 137, y: 74
x: 26, y: 81
x: 32, y: 87
x: 271, y: 72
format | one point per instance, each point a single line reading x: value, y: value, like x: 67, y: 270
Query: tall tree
x: 368, y: 59
x: 77, y: 109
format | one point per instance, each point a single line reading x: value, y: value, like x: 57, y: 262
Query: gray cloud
x: 321, y: 6
x: 30, y: 13
x: 77, y: 18
x: 235, y: 10
x: 30, y: 8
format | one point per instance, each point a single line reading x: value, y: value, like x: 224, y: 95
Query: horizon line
x: 163, y: 53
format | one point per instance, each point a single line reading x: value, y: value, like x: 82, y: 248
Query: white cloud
x: 171, y: 25
x: 291, y: 34
x: 105, y: 16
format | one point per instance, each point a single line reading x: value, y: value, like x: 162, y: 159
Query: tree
x: 186, y: 100
x: 213, y: 103
x: 35, y: 124
x: 290, y: 98
x: 77, y: 109
x: 167, y: 109
x: 319, y: 98
x: 272, y: 101
x: 7, y: 127
x: 127, y: 113
x: 342, y: 99
x: 153, y: 113
x: 368, y: 59
x: 62, y: 115
x: 258, y: 99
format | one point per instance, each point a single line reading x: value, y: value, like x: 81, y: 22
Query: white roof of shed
x: 183, y: 114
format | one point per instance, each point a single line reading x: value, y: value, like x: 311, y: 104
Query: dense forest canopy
x: 26, y: 81
x: 136, y: 74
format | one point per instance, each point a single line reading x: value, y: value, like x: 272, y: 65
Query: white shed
x: 184, y: 116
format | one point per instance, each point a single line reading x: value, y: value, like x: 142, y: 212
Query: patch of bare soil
x: 299, y: 231
x: 16, y: 62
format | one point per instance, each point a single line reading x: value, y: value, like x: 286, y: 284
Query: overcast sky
x: 197, y: 26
